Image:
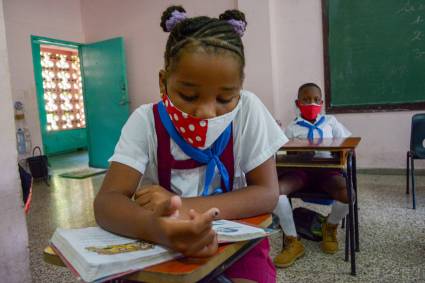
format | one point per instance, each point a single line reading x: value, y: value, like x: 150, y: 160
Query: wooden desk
x: 325, y: 144
x: 340, y: 146
x: 187, y: 270
x: 345, y: 160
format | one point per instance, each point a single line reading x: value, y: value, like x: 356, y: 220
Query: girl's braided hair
x: 212, y: 34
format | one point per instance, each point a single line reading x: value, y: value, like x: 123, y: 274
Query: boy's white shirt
x: 256, y: 138
x: 331, y: 129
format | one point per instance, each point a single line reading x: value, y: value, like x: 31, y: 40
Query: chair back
x: 417, y: 136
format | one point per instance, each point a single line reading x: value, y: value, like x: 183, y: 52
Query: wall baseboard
x: 388, y: 171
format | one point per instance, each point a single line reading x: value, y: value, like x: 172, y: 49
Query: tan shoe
x: 291, y: 251
x: 329, y: 243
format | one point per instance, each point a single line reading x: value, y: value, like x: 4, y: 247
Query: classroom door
x: 57, y: 79
x: 106, y: 98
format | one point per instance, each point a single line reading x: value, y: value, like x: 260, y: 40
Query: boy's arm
x: 338, y: 129
x: 289, y: 131
x: 115, y: 211
x: 260, y: 196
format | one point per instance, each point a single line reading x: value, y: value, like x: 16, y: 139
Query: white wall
x: 14, y: 255
x: 59, y: 19
x: 258, y: 51
x: 297, y: 29
x: 137, y: 21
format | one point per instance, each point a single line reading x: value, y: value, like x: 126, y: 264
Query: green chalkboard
x: 374, y: 54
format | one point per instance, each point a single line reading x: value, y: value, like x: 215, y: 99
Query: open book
x: 231, y: 231
x: 95, y: 255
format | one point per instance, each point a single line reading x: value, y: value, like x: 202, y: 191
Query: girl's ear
x: 297, y: 103
x: 162, y: 82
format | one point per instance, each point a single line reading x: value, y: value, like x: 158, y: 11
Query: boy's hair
x: 212, y: 34
x: 306, y: 85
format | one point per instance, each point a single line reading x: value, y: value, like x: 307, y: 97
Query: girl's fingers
x: 175, y: 204
x: 194, y: 237
x: 193, y: 214
x: 202, y: 223
x: 144, y: 199
x: 142, y: 191
x: 147, y: 189
x: 169, y: 206
x: 203, y: 242
x: 187, y: 229
x: 208, y: 216
x: 175, y: 214
x: 214, y: 213
x: 208, y: 250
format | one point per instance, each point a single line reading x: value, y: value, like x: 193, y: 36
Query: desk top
x: 183, y: 270
x: 325, y: 144
x: 341, y: 146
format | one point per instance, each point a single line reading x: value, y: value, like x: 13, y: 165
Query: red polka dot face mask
x: 200, y: 133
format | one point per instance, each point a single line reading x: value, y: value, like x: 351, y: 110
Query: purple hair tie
x: 238, y: 26
x: 176, y: 17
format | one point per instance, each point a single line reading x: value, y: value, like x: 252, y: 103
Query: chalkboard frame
x: 328, y: 90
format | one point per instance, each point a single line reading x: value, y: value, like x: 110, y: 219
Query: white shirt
x: 331, y: 129
x: 256, y: 138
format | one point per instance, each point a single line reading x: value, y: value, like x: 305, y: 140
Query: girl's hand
x: 192, y: 234
x: 156, y: 199
x: 193, y: 237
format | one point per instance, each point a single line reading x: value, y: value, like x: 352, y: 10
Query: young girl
x: 310, y: 124
x: 204, y: 151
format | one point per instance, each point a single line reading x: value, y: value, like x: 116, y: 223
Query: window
x: 62, y: 85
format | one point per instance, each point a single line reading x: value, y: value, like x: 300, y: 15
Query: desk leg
x: 347, y: 238
x: 351, y: 212
x: 356, y: 207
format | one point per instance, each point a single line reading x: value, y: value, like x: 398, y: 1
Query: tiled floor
x: 392, y: 235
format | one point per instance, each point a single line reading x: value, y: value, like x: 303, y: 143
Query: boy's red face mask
x: 309, y: 111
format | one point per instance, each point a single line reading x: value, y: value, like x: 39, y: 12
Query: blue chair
x: 417, y: 151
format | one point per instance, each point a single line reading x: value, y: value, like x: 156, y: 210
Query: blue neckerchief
x: 312, y: 127
x: 209, y: 156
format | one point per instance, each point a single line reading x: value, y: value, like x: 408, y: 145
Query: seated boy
x: 310, y: 124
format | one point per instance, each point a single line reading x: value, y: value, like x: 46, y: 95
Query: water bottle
x: 20, y: 139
